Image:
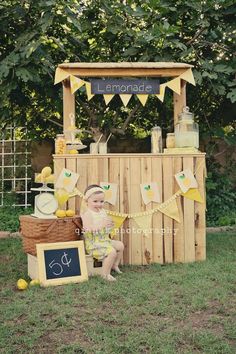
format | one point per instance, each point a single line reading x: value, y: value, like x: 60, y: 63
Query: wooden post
x: 179, y: 101
x: 68, y: 104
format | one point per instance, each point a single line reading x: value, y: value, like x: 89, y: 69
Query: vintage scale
x: 73, y: 143
x: 45, y: 203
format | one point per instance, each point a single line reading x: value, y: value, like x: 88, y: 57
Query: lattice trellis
x: 15, y: 166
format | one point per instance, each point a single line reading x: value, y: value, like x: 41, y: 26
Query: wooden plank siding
x: 170, y: 241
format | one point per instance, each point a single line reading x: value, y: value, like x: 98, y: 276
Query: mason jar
x: 186, y: 130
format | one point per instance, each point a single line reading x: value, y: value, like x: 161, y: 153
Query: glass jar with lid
x: 170, y: 140
x: 186, y: 130
x: 60, y: 144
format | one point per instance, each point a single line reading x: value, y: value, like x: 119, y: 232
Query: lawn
x: 181, y: 308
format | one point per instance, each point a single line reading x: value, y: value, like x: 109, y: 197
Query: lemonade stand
x: 170, y: 227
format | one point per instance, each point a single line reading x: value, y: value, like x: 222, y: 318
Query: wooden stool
x: 94, y: 266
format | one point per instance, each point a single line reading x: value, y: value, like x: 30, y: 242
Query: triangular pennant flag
x: 188, y: 76
x: 142, y: 99
x: 75, y: 83
x: 144, y: 222
x: 60, y: 75
x: 118, y: 221
x: 161, y: 95
x: 193, y: 194
x: 174, y: 85
x: 170, y: 209
x: 88, y: 90
x: 108, y: 98
x: 125, y: 99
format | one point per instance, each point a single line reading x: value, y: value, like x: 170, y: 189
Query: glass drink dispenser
x: 186, y: 130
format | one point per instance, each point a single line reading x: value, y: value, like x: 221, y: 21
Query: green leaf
x: 232, y: 95
x: 24, y: 74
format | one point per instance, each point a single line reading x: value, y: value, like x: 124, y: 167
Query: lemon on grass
x: 34, y: 282
x: 70, y: 212
x: 22, y: 284
x: 60, y: 213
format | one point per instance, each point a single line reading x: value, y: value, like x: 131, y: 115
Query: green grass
x: 178, y: 308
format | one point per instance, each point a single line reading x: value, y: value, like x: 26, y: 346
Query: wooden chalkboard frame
x: 42, y: 247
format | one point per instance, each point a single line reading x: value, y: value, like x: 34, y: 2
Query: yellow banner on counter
x: 144, y: 222
x: 193, y: 194
x: 118, y: 222
x: 170, y: 208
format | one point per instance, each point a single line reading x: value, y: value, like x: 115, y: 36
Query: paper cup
x: 102, y: 148
x: 93, y: 148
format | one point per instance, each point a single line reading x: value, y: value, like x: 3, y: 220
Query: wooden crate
x: 181, y: 242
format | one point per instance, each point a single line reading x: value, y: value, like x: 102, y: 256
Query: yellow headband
x: 91, y: 191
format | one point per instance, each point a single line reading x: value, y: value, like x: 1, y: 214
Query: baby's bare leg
x: 107, y: 265
x: 119, y: 247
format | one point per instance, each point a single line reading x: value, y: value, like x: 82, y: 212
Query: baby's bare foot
x: 108, y: 277
x: 117, y: 270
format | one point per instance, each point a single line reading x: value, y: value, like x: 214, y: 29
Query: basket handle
x: 53, y: 224
x: 78, y: 222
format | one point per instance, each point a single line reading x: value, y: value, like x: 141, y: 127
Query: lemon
x: 46, y: 171
x: 34, y: 282
x: 22, y: 284
x: 60, y: 213
x: 70, y: 212
x: 73, y: 151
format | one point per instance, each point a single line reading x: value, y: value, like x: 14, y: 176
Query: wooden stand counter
x: 169, y: 241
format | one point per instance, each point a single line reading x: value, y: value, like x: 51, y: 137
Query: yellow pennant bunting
x: 60, y: 75
x: 108, y: 98
x: 88, y: 90
x: 188, y: 76
x: 144, y: 222
x: 75, y: 83
x: 118, y: 221
x: 174, y: 85
x: 193, y: 194
x: 143, y: 99
x: 161, y: 95
x: 170, y: 209
x: 125, y: 99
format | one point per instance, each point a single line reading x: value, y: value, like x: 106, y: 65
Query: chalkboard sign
x: 62, y: 262
x: 124, y: 86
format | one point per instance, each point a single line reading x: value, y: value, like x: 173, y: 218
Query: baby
x: 97, y: 226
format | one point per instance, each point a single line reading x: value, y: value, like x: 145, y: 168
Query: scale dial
x: 46, y: 203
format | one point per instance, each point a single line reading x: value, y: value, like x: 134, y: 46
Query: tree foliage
x: 36, y: 36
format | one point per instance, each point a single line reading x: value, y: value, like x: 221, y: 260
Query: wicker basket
x: 35, y: 230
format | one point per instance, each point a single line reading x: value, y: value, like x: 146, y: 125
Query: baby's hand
x: 108, y: 222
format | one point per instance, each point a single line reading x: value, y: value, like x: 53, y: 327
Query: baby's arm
x: 108, y: 222
x: 87, y: 221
